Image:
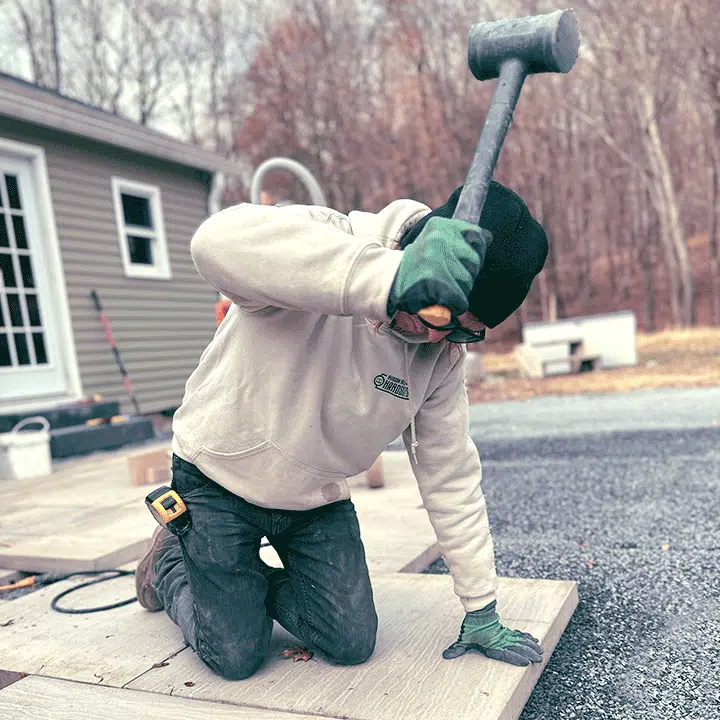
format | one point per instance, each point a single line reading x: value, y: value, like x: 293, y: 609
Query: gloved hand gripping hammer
x: 508, y: 50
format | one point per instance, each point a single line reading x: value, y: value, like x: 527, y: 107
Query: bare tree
x: 620, y: 159
x: 37, y: 24
x: 705, y: 30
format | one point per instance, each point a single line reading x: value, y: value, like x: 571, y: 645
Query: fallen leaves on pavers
x: 297, y: 653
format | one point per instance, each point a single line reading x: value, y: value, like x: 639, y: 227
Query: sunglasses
x: 458, y: 333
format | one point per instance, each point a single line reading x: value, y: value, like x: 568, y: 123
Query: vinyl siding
x: 161, y: 326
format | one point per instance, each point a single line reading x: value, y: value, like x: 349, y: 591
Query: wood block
x: 407, y: 676
x: 374, y: 474
x: 159, y: 476
x: 43, y: 698
x: 145, y: 467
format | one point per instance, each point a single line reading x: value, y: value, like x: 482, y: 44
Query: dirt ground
x: 672, y: 358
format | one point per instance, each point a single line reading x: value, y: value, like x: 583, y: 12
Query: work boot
x: 161, y: 540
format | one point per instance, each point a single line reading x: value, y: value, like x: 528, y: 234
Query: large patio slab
x: 106, y: 648
x: 89, y: 508
x: 86, y: 515
x: 406, y: 678
x: 48, y: 699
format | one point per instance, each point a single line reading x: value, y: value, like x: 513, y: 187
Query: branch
x: 610, y: 141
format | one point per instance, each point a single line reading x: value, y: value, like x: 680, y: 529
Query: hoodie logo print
x: 392, y: 385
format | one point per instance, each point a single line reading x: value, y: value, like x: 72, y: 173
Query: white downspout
x: 217, y: 187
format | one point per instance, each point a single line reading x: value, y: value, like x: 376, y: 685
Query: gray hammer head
x: 545, y: 43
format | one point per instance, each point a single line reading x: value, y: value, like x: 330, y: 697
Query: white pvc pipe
x: 301, y: 172
x: 216, y: 191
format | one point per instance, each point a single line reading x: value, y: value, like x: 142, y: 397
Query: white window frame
x: 160, y: 269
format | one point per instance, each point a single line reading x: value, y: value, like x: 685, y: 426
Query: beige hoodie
x: 299, y: 391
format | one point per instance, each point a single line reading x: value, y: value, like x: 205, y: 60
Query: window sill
x: 147, y: 273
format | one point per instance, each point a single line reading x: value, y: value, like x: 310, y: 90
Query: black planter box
x: 84, y: 439
x: 65, y: 415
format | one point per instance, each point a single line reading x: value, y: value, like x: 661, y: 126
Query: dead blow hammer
x: 508, y: 50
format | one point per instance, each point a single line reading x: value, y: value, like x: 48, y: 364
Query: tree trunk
x: 646, y: 260
x: 713, y: 227
x: 667, y: 205
x: 57, y: 71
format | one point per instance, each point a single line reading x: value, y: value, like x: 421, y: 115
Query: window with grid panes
x: 22, y: 337
x: 143, y: 246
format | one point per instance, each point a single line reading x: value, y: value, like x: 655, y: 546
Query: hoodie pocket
x: 267, y: 475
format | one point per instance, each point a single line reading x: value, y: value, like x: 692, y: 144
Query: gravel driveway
x: 631, y: 511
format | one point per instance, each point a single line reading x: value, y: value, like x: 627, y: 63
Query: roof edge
x: 27, y: 102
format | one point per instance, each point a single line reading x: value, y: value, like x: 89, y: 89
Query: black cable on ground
x: 49, y: 578
x: 83, y: 611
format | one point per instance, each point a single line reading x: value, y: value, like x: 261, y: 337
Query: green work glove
x: 439, y: 267
x: 481, y: 630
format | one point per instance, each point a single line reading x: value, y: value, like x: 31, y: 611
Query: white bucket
x: 26, y: 454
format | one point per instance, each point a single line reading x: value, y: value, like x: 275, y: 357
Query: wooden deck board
x: 86, y: 504
x: 406, y: 677
x: 85, y: 516
x: 109, y: 648
x: 51, y: 699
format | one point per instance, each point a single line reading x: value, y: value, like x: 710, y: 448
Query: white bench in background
x: 556, y: 357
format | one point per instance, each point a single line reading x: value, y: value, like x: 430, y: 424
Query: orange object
x: 25, y: 582
x: 221, y: 309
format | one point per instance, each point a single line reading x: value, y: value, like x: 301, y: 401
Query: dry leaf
x: 189, y: 684
x: 297, y: 654
x: 665, y: 547
x: 160, y: 664
x: 590, y: 563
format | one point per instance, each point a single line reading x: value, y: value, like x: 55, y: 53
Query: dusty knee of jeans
x: 232, y: 661
x: 353, y: 652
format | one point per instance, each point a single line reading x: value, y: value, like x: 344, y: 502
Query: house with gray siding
x: 89, y: 200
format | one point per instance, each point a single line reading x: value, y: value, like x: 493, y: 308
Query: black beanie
x: 515, y: 256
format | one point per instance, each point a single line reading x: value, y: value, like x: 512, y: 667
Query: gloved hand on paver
x: 481, y: 630
x: 440, y: 267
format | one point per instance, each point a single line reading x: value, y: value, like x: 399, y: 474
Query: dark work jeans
x: 216, y: 588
